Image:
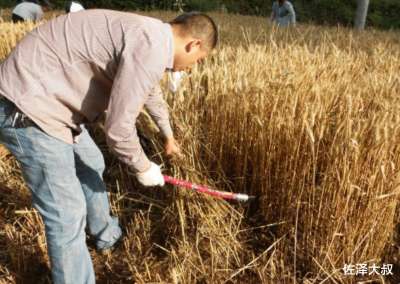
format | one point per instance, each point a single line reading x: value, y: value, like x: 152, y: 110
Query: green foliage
x: 255, y: 7
x: 382, y: 13
x: 201, y: 5
x: 329, y: 11
x: 6, y: 3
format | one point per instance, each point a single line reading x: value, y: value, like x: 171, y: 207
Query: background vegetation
x: 382, y: 13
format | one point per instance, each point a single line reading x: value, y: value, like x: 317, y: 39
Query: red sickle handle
x: 205, y: 189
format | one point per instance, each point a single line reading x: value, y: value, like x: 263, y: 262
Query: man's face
x: 192, y: 54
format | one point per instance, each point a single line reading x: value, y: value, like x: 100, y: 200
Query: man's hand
x: 171, y: 147
x: 152, y: 176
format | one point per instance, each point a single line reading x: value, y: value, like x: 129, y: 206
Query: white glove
x: 152, y: 176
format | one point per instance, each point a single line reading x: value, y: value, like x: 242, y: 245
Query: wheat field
x: 306, y: 119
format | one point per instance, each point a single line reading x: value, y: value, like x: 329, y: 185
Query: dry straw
x: 307, y: 119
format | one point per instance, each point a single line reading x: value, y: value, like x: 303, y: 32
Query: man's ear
x: 193, y: 44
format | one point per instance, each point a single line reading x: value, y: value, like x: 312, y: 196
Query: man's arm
x: 158, y: 109
x: 137, y: 74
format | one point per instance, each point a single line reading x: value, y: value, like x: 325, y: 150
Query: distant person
x: 283, y: 13
x: 73, y: 6
x: 29, y: 11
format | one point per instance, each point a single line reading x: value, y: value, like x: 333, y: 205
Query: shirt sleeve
x: 139, y: 70
x: 158, y: 109
x: 291, y: 13
x: 39, y: 14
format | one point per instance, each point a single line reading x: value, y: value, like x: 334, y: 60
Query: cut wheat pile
x: 308, y: 120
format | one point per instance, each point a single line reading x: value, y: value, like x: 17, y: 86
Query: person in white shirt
x: 29, y: 11
x: 283, y: 13
x: 73, y: 6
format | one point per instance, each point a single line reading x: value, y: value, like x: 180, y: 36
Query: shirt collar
x: 170, y: 46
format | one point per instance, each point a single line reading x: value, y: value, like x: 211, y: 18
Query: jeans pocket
x: 10, y: 138
x: 3, y: 118
x: 18, y: 141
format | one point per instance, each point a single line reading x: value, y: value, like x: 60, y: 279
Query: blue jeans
x: 68, y: 191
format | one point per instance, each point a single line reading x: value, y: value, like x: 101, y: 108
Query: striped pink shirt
x: 73, y: 68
